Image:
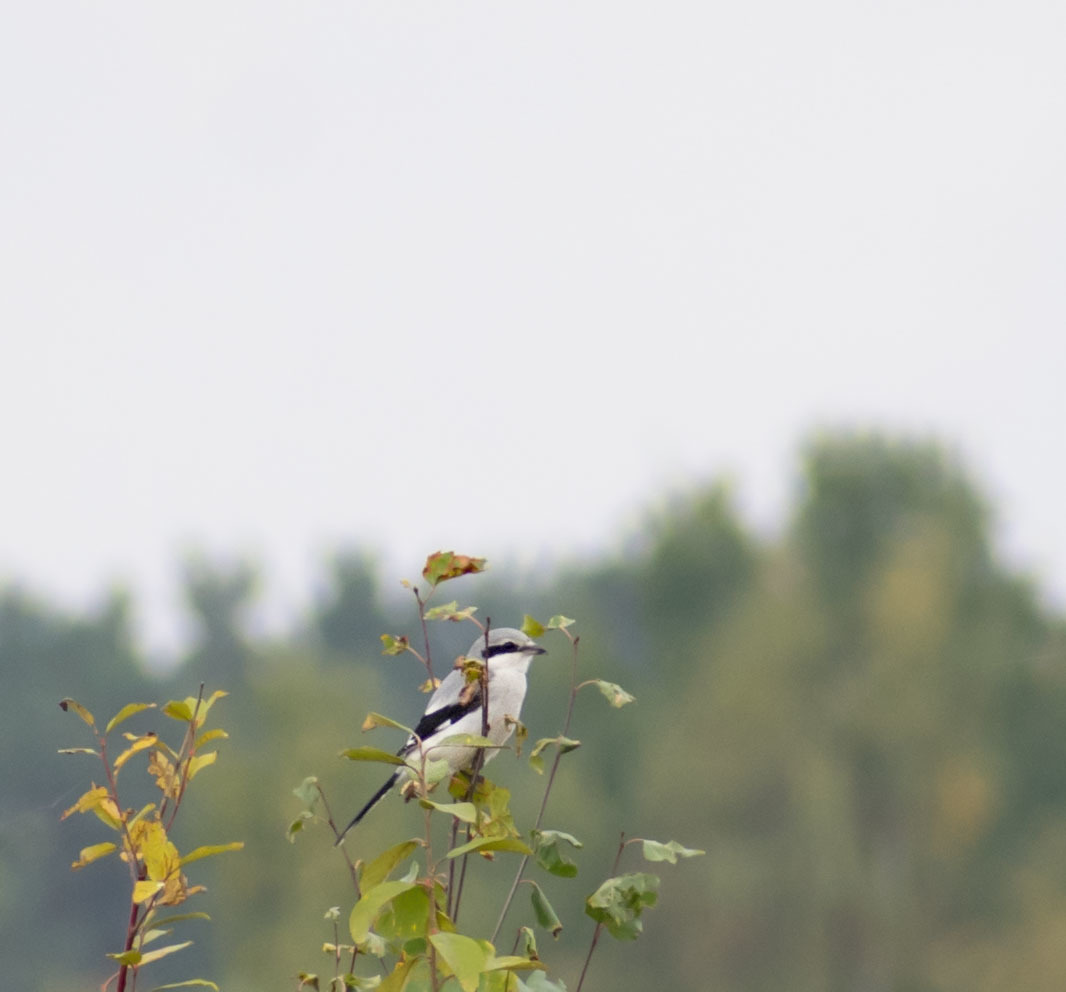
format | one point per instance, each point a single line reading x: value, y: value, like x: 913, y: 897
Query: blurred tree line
x: 861, y: 721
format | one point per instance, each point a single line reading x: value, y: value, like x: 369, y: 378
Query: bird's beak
x: 537, y: 649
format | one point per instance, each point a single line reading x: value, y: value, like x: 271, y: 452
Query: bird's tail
x: 374, y: 800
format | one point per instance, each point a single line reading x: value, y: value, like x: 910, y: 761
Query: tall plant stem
x: 547, y: 788
x: 475, y: 771
x: 599, y: 925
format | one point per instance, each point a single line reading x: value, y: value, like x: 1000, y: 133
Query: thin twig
x: 599, y: 923
x: 427, y: 660
x: 431, y: 885
x: 547, y: 789
x: 136, y: 873
x: 188, y: 743
x: 336, y: 833
x: 475, y: 772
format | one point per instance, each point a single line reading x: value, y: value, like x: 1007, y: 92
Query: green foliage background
x: 860, y: 720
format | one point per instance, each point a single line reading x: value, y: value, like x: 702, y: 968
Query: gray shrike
x: 455, y: 708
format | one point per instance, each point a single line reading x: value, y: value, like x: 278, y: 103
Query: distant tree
x: 46, y: 651
x: 219, y: 596
x: 862, y: 492
x: 699, y: 559
x: 347, y: 617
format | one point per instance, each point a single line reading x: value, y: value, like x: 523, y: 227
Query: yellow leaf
x: 72, y: 704
x: 87, y: 801
x: 166, y: 778
x: 201, y: 761
x: 210, y: 849
x: 143, y: 891
x: 97, y: 801
x: 90, y: 854
x: 127, y: 711
x: 152, y: 847
x: 202, y: 710
x: 162, y: 952
x: 216, y: 733
x: 139, y: 744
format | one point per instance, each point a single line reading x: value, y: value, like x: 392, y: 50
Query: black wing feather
x: 427, y: 726
x: 374, y: 800
x: 446, y: 715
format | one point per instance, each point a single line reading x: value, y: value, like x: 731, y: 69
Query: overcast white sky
x: 493, y: 275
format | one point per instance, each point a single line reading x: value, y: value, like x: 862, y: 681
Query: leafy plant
x: 407, y: 928
x: 158, y: 884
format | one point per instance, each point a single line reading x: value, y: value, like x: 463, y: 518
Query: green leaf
x: 559, y: 622
x: 464, y: 812
x: 362, y: 981
x: 131, y: 957
x: 549, y: 854
x: 670, y: 851
x: 154, y: 934
x: 495, y: 981
x: 521, y: 733
x: 433, y: 771
x: 531, y: 627
x: 465, y: 956
x: 375, y: 872
x: 366, y: 910
x: 490, y: 844
x: 436, y: 612
x: 450, y: 611
x: 307, y: 791
x: 529, y: 938
x: 179, y: 709
x: 539, y: 982
x: 443, y: 565
x: 545, y: 914
x: 397, y: 979
x: 615, y: 694
x: 162, y: 952
x: 208, y: 850
x: 394, y: 645
x: 618, y: 903
x: 375, y: 945
x: 298, y: 824
x: 511, y: 962
x: 405, y: 918
x: 377, y: 720
x: 565, y: 745
x: 372, y: 754
x: 79, y: 750
x: 465, y: 740
x: 93, y: 853
x: 127, y: 711
x: 68, y: 704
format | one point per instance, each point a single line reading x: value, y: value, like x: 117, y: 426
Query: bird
x: 456, y: 708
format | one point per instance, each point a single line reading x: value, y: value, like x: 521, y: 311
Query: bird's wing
x: 459, y: 703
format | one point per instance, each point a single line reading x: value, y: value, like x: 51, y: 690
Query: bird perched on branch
x: 457, y: 708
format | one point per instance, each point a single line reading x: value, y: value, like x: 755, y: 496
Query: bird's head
x: 506, y: 647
